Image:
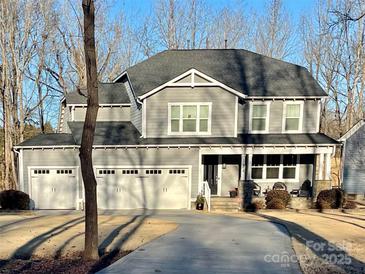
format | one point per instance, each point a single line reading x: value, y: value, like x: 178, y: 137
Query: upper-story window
x: 292, y: 116
x: 189, y: 118
x: 259, y: 117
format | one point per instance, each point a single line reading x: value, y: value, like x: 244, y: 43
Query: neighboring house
x: 353, y: 160
x: 178, y: 119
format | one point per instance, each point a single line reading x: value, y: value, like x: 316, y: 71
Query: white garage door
x: 53, y: 188
x: 157, y: 188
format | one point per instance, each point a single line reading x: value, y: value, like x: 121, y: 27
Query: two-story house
x: 181, y: 118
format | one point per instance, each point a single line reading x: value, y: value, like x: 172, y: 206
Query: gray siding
x: 66, y: 118
x: 105, y: 114
x: 354, y: 163
x: 136, y: 109
x: 130, y: 157
x: 276, y: 117
x: 310, y: 116
x: 49, y: 158
x: 223, y: 105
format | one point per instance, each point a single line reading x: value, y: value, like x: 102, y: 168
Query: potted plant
x: 200, y: 201
x: 233, y: 193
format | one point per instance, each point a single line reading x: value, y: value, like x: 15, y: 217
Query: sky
x: 295, y: 7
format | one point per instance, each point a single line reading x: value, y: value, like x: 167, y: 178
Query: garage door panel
x: 54, y: 188
x: 158, y: 188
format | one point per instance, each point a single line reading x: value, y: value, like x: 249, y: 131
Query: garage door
x: 157, y: 188
x: 54, y: 188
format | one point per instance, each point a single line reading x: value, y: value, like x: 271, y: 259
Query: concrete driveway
x: 212, y: 244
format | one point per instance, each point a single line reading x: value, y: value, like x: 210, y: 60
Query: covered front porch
x: 293, y: 168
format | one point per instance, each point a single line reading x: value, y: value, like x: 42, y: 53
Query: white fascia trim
x: 213, y: 82
x: 144, y: 119
x: 301, y: 110
x: 285, y: 97
x: 101, y: 105
x: 268, y: 105
x: 119, y: 76
x: 275, y: 146
x: 235, y: 118
x: 352, y: 130
x: 319, y: 108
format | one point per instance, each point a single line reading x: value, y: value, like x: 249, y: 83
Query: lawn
x: 30, y: 243
x: 326, y: 243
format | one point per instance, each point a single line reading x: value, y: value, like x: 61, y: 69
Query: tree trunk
x: 88, y: 176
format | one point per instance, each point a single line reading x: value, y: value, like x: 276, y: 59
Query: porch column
x: 243, y: 167
x: 249, y: 164
x: 320, y: 167
x: 327, y: 171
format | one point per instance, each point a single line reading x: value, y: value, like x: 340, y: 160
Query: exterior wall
x: 105, y: 114
x: 230, y: 174
x: 136, y: 109
x: 223, y: 105
x: 111, y: 157
x: 49, y: 158
x: 310, y: 116
x: 66, y: 118
x: 354, y: 163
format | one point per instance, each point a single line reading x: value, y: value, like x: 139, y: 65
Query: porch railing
x: 205, y: 191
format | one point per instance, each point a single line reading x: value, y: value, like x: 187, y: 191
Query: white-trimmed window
x: 189, y: 118
x: 259, y: 117
x: 293, y: 116
x: 273, y: 167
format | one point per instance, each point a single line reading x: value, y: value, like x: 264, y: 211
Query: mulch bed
x: 73, y: 263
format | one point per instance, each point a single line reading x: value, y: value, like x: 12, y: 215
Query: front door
x: 210, y: 163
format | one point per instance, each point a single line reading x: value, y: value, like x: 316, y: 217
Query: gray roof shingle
x: 247, y: 72
x: 124, y: 133
x: 50, y: 139
x: 109, y: 93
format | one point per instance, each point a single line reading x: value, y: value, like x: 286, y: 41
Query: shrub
x: 200, y: 199
x: 350, y: 205
x: 275, y: 204
x: 334, y: 197
x: 14, y: 199
x: 255, y: 205
x: 282, y: 195
x: 323, y: 205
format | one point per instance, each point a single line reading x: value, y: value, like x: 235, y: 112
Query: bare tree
x: 274, y: 32
x: 87, y: 140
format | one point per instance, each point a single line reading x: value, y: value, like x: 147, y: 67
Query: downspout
x: 20, y: 168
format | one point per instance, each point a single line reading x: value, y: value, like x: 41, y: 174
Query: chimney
x: 225, y: 43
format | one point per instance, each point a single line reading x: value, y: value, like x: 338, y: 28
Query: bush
x: 323, y: 205
x: 334, y: 197
x: 350, y: 205
x: 282, y: 195
x: 255, y: 205
x: 14, y: 199
x: 275, y: 204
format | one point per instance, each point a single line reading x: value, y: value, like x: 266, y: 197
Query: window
x: 153, y: 171
x: 259, y: 117
x: 106, y: 171
x: 292, y: 117
x: 257, y: 166
x: 129, y: 171
x: 289, y: 166
x: 176, y: 171
x: 274, y: 167
x: 189, y: 118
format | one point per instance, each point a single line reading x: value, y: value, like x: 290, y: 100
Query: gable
x: 247, y: 72
x: 192, y: 78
